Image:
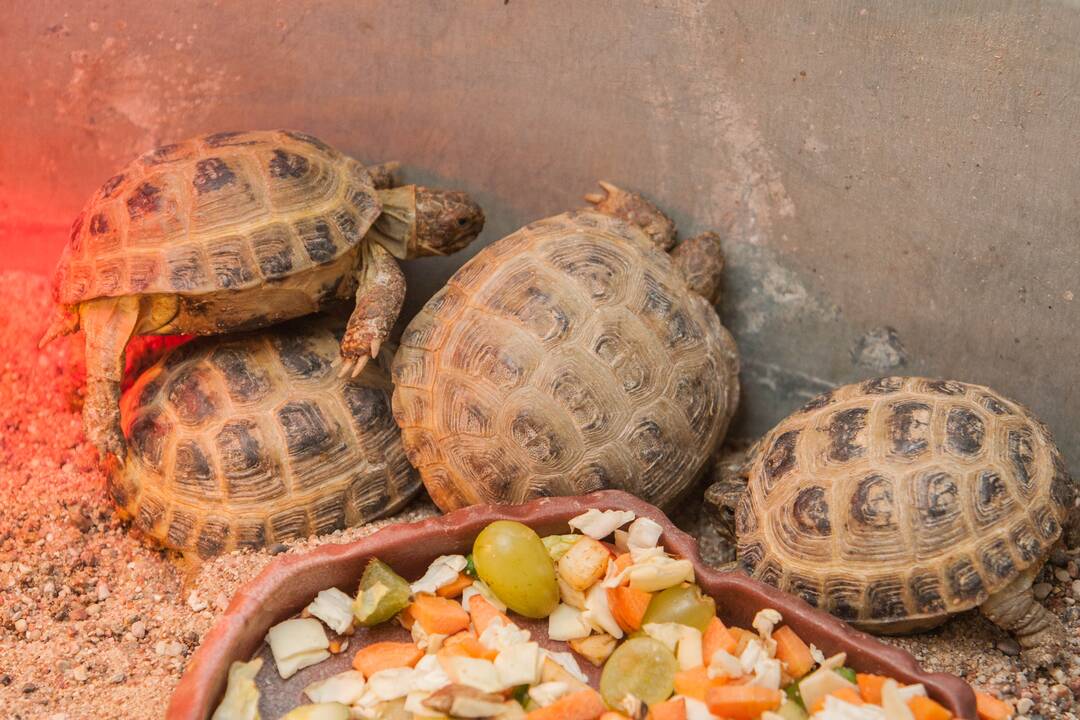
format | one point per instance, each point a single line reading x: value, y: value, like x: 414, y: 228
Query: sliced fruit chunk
x: 641, y: 667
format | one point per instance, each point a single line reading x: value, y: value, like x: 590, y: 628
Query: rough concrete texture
x: 909, y: 165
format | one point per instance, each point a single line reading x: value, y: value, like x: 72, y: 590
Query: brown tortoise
x: 251, y: 439
x: 572, y: 355
x: 895, y: 502
x: 236, y: 231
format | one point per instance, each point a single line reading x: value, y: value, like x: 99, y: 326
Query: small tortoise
x: 572, y: 355
x: 251, y: 439
x: 895, y: 502
x: 236, y: 231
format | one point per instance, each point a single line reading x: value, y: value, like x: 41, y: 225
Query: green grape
x: 792, y: 711
x: 514, y: 563
x: 846, y: 673
x: 641, y: 667
x: 382, y: 595
x: 684, y: 604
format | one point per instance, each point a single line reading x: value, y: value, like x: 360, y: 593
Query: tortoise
x: 898, y: 501
x: 236, y: 231
x: 252, y: 439
x: 572, y: 355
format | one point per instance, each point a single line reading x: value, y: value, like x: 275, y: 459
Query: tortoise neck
x: 395, y: 228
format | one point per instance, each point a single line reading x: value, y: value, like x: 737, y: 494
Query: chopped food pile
x: 617, y: 599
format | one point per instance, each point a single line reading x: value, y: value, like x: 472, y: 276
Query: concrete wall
x: 909, y: 164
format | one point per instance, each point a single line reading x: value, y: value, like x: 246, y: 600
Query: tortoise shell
x: 897, y: 501
x: 247, y: 440
x: 226, y: 211
x: 567, y: 357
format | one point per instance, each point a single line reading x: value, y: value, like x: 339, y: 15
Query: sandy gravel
x: 95, y: 624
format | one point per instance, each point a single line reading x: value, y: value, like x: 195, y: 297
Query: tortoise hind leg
x: 1015, y: 610
x: 378, y: 301
x: 108, y: 324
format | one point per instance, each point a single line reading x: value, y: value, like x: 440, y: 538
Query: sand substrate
x: 96, y: 624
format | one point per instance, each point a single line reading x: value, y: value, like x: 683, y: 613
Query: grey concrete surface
x: 899, y: 180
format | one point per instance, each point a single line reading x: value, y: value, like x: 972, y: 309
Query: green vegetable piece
x: 470, y: 566
x: 382, y: 595
x: 792, y: 711
x: 557, y: 545
x: 684, y: 604
x: 847, y: 673
x: 641, y: 667
x: 511, y: 559
x: 392, y: 710
x: 521, y: 694
x: 794, y: 696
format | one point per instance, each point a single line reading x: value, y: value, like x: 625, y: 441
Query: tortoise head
x: 722, y: 498
x: 446, y: 221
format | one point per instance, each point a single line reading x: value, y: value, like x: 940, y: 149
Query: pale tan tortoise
x: 236, y: 231
x: 572, y: 355
x: 898, y: 501
x: 251, y: 439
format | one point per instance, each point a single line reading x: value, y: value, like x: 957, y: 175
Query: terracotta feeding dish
x: 289, y: 583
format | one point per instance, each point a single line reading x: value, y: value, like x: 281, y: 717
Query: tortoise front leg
x: 1015, y: 610
x: 378, y: 301
x: 108, y: 324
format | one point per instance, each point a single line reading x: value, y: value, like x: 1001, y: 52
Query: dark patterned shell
x: 902, y: 499
x: 218, y: 212
x: 248, y: 440
x: 567, y: 357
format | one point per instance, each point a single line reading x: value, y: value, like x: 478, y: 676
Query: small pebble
x: 80, y: 674
x: 278, y: 548
x: 1008, y: 646
x: 1073, y: 568
x: 1076, y: 589
x: 196, y: 603
x: 117, y: 678
x: 1062, y: 575
x: 138, y: 629
x: 1041, y: 590
x: 20, y: 626
x: 1024, y: 705
x: 1059, y: 557
x: 102, y: 591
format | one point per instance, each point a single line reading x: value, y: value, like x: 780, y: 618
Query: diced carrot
x: 612, y: 715
x: 467, y: 644
x: 628, y: 606
x: 742, y: 638
x: 716, y: 637
x: 622, y: 562
x: 742, y: 702
x: 581, y: 705
x: 870, y: 687
x: 405, y: 618
x: 923, y: 708
x: 847, y: 694
x: 454, y: 589
x: 439, y: 615
x: 386, y: 656
x: 674, y: 709
x: 792, y: 651
x: 991, y: 708
x: 483, y: 612
x: 695, y: 682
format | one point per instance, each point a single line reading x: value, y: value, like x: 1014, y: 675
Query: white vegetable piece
x: 598, y: 613
x: 767, y: 674
x: 414, y: 703
x: 724, y: 665
x: 643, y: 534
x: 428, y: 675
x: 621, y: 539
x: 334, y: 608
x: 907, y: 692
x: 474, y: 672
x: 499, y: 636
x: 598, y: 524
x: 547, y: 693
x: 319, y: 711
x: 389, y: 684
x: 566, y: 661
x: 346, y: 688
x: 660, y: 573
x: 566, y: 623
x: 480, y: 588
x: 894, y: 706
x: 751, y: 654
x: 297, y: 644
x: 519, y: 665
x: 241, y: 701
x: 837, y: 709
x: 696, y: 710
x: 822, y: 682
x: 442, y: 571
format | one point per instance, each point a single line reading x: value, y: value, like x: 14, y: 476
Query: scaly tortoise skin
x: 895, y: 502
x: 567, y: 357
x: 253, y: 439
x: 237, y: 231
